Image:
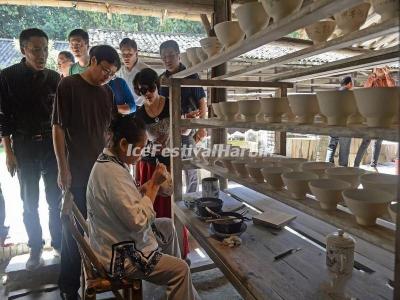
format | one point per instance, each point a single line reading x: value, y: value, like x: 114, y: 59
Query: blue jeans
x: 191, y: 174
x: 3, y: 229
x: 376, y: 150
x: 344, y: 150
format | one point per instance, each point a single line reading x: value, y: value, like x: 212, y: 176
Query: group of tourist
x: 74, y: 128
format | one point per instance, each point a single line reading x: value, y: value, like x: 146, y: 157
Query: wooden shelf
x: 377, y: 235
x: 359, y: 131
x: 309, y: 14
x: 369, y: 33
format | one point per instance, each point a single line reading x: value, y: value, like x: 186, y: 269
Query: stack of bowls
x: 252, y: 17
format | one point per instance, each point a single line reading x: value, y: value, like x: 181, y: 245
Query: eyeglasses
x: 108, y: 72
x: 144, y: 89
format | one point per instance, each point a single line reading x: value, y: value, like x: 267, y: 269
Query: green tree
x: 57, y: 22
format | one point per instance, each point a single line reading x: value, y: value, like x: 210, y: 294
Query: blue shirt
x: 122, y: 93
x: 190, y: 96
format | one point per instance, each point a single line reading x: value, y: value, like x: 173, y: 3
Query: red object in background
x: 162, y: 205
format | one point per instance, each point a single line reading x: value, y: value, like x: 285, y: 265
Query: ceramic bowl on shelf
x: 274, y: 160
x: 320, y: 31
x: 367, y: 204
x: 252, y: 17
x: 378, y: 105
x: 337, y: 106
x: 273, y: 109
x: 185, y: 60
x: 279, y: 9
x: 293, y: 163
x: 240, y: 167
x: 352, y: 19
x: 254, y: 170
x: 288, y: 116
x: 217, y: 111
x: 316, y: 167
x: 249, y: 109
x: 387, y: 9
x: 192, y: 55
x: 272, y: 176
x: 297, y: 183
x: 229, y: 33
x: 394, y: 208
x: 201, y: 54
x: 211, y: 45
x: 383, y: 182
x: 229, y: 109
x: 304, y: 106
x: 328, y: 192
x: 348, y: 174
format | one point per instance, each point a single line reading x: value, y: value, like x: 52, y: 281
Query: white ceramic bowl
x: 321, y: 31
x: 378, y: 105
x: 254, y: 170
x: 328, y: 192
x: 249, y: 109
x: 217, y: 111
x: 393, y: 210
x: 304, y: 106
x: 272, y: 176
x: 229, y: 109
x: 387, y: 9
x: 337, y: 106
x: 229, y: 33
x: 279, y: 9
x: 352, y: 19
x: 366, y: 204
x: 192, y: 55
x: 252, y: 17
x: 211, y: 45
x: 273, y: 109
x: 185, y: 60
x: 240, y: 167
x: 316, y: 167
x: 297, y: 183
x: 348, y: 174
x: 383, y: 182
x: 293, y: 163
x: 201, y: 54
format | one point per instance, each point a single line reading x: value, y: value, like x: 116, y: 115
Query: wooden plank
x: 175, y: 137
x: 381, y: 29
x: 375, y: 58
x: 252, y: 270
x: 228, y: 83
x: 397, y: 257
x: 366, y: 254
x: 309, y: 14
x: 357, y: 131
x: 280, y: 137
x: 377, y: 235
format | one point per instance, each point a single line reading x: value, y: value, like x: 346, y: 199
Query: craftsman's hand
x: 11, y: 162
x: 200, y: 135
x: 159, y: 175
x: 386, y: 70
x: 193, y: 114
x: 64, y: 179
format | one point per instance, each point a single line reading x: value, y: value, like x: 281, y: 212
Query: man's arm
x: 64, y: 174
x: 11, y: 160
x: 202, y: 132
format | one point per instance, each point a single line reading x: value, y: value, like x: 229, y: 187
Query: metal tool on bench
x: 286, y: 253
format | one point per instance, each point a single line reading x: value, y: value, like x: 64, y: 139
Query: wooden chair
x: 95, y: 279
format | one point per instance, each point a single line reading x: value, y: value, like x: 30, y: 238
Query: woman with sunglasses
x: 123, y: 231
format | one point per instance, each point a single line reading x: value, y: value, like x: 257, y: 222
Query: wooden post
x: 280, y: 137
x: 397, y: 254
x: 175, y: 133
x: 222, y: 12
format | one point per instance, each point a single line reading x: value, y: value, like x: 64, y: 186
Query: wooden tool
x: 273, y: 218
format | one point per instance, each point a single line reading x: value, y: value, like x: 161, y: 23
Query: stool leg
x: 137, y: 291
x: 127, y: 294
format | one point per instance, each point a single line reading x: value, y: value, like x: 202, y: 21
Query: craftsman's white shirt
x: 130, y: 75
x: 117, y: 212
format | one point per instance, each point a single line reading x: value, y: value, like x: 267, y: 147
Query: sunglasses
x: 144, y: 89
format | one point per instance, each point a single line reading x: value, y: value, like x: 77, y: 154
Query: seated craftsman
x: 123, y: 230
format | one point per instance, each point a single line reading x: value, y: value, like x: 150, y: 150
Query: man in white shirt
x: 132, y: 65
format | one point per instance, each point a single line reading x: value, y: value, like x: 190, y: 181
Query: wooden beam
x: 376, y: 58
x: 387, y: 28
x: 206, y: 24
x: 280, y: 137
x: 309, y: 14
x: 229, y: 83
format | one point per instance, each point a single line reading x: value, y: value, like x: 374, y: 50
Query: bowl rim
x: 314, y: 183
x: 378, y: 196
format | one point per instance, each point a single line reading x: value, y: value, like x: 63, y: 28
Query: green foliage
x: 58, y: 22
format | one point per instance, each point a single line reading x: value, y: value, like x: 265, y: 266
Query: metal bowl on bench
x: 213, y: 204
x: 229, y: 225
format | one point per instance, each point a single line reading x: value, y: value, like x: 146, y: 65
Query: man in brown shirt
x: 83, y: 110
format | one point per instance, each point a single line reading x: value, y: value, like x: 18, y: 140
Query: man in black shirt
x: 27, y: 92
x: 193, y: 103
